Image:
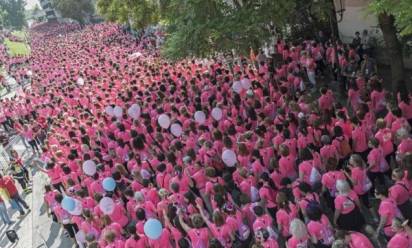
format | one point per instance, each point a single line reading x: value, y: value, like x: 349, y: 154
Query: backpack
x: 243, y: 232
x: 12, y: 236
x: 315, y: 176
x: 367, y: 184
x: 327, y: 235
x: 345, y: 148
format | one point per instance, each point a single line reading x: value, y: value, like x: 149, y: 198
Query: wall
x: 355, y: 18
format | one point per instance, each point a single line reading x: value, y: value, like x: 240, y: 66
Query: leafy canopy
x: 400, y: 9
x: 78, y: 10
x: 12, y: 13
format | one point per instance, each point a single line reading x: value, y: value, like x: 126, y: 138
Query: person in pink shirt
x: 300, y: 237
x: 135, y: 240
x: 287, y: 163
x: 328, y: 150
x: 387, y: 210
x: 221, y: 230
x: 198, y: 235
x: 329, y: 180
x: 356, y: 172
x: 347, y: 208
x: 351, y: 239
x: 319, y: 228
x: 400, y: 193
x: 286, y: 213
x: 263, y: 239
x: 405, y: 103
x: 402, y: 236
x: 326, y: 99
x: 360, y: 139
x: 308, y: 197
x: 385, y: 138
x: 377, y: 164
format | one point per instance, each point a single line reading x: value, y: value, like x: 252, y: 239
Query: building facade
x: 353, y: 16
x: 51, y: 13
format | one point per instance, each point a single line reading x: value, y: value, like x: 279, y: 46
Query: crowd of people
x: 258, y: 152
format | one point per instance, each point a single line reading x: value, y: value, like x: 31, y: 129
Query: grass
x: 17, y: 48
x: 19, y: 34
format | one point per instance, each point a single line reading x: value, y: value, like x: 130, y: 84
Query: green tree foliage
x: 138, y: 13
x: 401, y: 10
x: 12, y: 13
x: 79, y: 10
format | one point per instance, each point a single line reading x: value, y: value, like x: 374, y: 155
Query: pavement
x: 36, y: 229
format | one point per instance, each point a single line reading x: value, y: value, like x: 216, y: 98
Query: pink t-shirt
x: 287, y: 167
x: 385, y: 140
x: 346, y: 203
x: 400, y: 240
x: 359, y: 240
x: 199, y: 237
x: 298, y: 243
x: 389, y: 210
x: 284, y: 217
x: 359, y: 137
x: 359, y: 175
x: 321, y: 230
x: 399, y: 192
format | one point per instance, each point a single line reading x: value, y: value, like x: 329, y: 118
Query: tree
x: 137, y: 13
x: 13, y: 13
x: 202, y: 27
x: 79, y: 10
x: 395, y: 20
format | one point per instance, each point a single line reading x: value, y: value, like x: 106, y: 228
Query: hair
x: 382, y: 190
x: 109, y: 236
x: 218, y: 219
x: 298, y: 229
x: 342, y: 186
x: 398, y: 172
x: 305, y: 154
x: 243, y: 151
x: 314, y: 212
x: 380, y: 123
x: 325, y: 139
x: 284, y: 150
x: 197, y: 220
x: 305, y: 187
x: 357, y: 159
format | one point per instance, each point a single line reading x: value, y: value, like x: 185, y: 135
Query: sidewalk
x: 36, y: 229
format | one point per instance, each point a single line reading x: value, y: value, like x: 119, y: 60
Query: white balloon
x: 77, y: 209
x: 229, y: 158
x: 109, y: 110
x: 176, y: 129
x: 118, y: 111
x: 80, y: 81
x: 134, y: 111
x: 217, y: 114
x: 237, y: 86
x: 29, y: 73
x: 164, y: 121
x: 245, y: 83
x: 89, y: 167
x: 200, y: 117
x: 106, y: 204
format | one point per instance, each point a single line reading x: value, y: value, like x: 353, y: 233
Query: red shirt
x: 8, y: 183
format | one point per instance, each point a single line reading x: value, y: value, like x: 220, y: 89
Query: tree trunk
x: 393, y: 47
x: 333, y: 20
